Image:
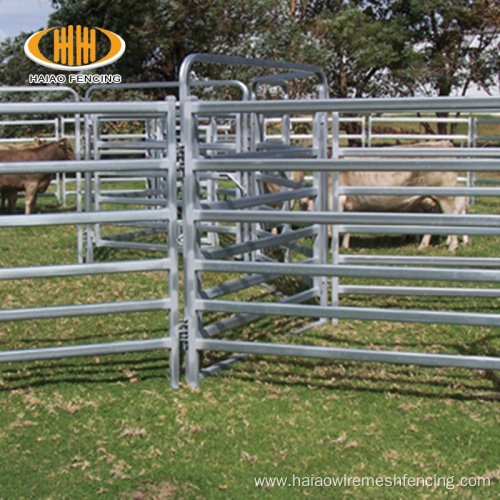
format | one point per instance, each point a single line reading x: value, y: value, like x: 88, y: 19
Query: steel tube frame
x: 122, y: 147
x: 192, y: 203
x: 167, y: 215
x: 252, y: 162
x: 428, y: 159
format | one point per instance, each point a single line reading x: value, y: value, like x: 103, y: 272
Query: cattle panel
x: 164, y: 165
x: 212, y: 315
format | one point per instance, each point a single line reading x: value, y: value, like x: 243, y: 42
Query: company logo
x: 74, y: 50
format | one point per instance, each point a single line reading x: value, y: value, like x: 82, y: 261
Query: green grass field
x: 110, y: 426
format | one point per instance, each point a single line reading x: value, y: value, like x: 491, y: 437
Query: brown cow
x: 36, y: 183
x: 12, y: 196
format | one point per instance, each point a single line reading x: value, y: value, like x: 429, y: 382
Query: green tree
x: 160, y: 33
x: 360, y: 50
x: 367, y: 48
x: 14, y: 65
x: 455, y: 44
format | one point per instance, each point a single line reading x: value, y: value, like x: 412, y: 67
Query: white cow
x: 390, y: 203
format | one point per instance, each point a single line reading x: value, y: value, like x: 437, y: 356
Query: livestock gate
x: 216, y: 185
x: 145, y: 142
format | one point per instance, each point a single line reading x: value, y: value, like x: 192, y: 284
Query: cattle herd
x: 34, y: 183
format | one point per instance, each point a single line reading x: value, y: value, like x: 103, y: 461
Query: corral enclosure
x: 171, y: 238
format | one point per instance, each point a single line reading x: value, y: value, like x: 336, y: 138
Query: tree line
x: 367, y: 48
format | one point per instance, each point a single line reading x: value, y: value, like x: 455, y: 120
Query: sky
x: 23, y: 15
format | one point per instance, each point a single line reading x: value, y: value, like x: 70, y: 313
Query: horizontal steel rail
x: 64, y: 108
x: 362, y: 313
x: 27, y: 122
x: 103, y: 167
x: 71, y: 311
x: 103, y: 217
x: 373, y: 165
x: 101, y: 349
x: 337, y: 353
x: 382, y: 218
x: 413, y: 291
x: 374, y: 105
x: 413, y: 137
x: 431, y: 274
x: 129, y: 200
x: 419, y: 119
x: 406, y: 229
x: 423, y: 190
x: 65, y: 270
x: 114, y: 243
x: 421, y: 261
x: 374, y: 152
x: 127, y: 145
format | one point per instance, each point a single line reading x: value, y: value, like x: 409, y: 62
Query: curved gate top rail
x: 166, y: 85
x: 299, y: 70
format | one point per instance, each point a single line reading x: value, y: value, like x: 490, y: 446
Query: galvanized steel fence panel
x: 167, y: 214
x: 261, y: 268
x: 226, y: 185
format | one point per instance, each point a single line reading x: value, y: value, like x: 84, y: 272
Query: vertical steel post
x: 334, y: 194
x: 320, y: 179
x: 173, y: 275
x: 191, y: 233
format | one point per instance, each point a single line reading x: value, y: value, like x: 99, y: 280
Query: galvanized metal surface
x: 266, y: 243
x: 255, y: 211
x: 167, y: 214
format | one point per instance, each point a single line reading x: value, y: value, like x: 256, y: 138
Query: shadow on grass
x: 339, y: 375
x: 346, y: 377
x: 116, y: 369
x: 377, y: 242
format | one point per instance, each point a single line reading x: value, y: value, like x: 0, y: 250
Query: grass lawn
x: 110, y: 426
